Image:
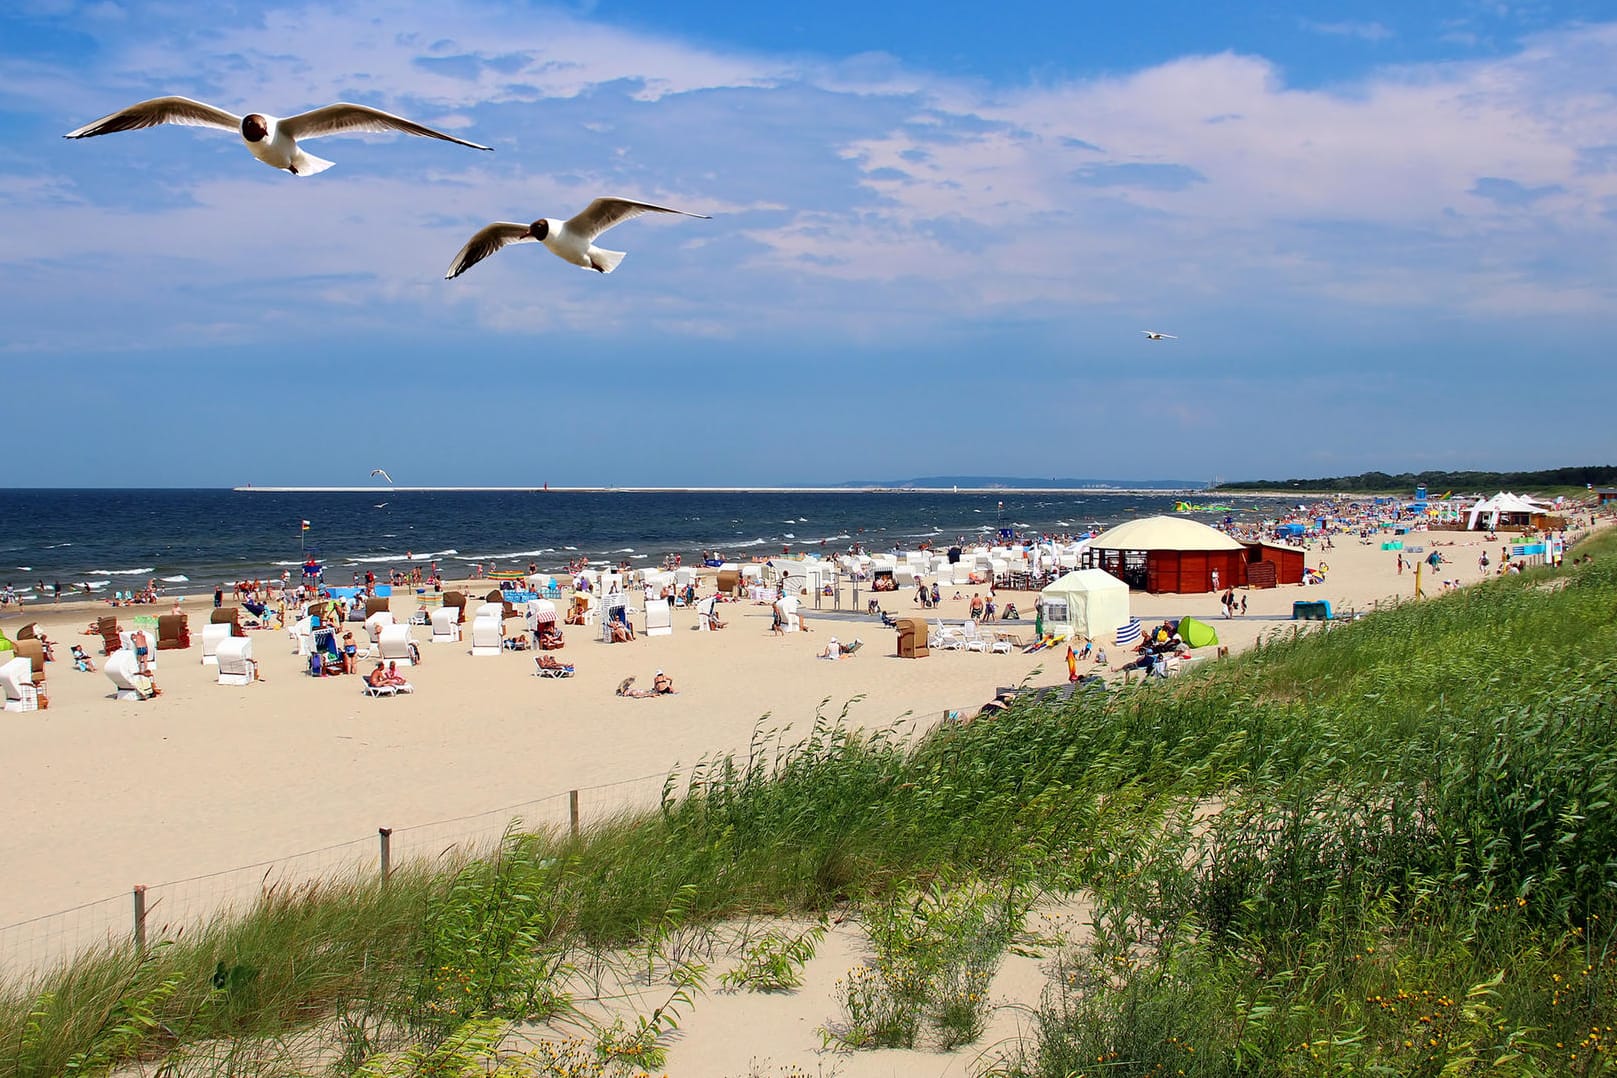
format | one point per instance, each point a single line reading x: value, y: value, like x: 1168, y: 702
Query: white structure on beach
x: 1085, y: 602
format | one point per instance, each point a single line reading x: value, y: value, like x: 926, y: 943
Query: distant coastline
x: 373, y: 490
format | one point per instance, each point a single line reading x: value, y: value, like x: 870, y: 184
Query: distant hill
x: 945, y: 482
x: 1437, y: 482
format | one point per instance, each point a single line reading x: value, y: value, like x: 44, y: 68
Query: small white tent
x: 1086, y: 602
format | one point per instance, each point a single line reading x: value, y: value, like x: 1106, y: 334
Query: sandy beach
x: 209, y: 777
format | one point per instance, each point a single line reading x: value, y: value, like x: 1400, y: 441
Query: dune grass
x: 1413, y: 865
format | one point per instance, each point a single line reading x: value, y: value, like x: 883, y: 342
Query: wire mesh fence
x: 149, y: 914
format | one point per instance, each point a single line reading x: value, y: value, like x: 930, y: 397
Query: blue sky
x: 1383, y: 233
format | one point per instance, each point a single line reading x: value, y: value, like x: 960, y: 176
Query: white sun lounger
x: 236, y: 663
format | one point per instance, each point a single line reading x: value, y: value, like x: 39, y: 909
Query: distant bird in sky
x: 1153, y: 335
x: 383, y: 473
x: 571, y: 240
x: 379, y: 505
x: 273, y: 141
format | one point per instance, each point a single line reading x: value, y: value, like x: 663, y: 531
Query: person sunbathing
x: 395, y: 679
x: 81, y: 660
x: 626, y: 688
x: 622, y: 632
x: 662, y: 685
x: 377, y: 678
x: 545, y: 662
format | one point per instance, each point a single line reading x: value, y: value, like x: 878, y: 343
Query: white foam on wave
x: 93, y: 583
x: 122, y: 572
x: 25, y: 568
x: 377, y: 558
x: 569, y: 548
x: 622, y: 550
x: 181, y: 579
x: 746, y: 542
x: 1019, y: 524
x: 511, y: 554
x: 789, y: 535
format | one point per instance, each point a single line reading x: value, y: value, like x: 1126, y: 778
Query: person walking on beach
x: 1215, y: 579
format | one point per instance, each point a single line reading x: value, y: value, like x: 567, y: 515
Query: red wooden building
x: 1170, y: 554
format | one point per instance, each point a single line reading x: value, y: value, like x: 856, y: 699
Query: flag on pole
x: 305, y: 525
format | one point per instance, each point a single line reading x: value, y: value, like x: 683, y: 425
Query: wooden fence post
x: 386, y: 836
x: 140, y: 917
x: 572, y: 811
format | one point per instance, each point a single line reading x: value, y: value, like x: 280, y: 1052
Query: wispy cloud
x: 1364, y: 31
x: 859, y: 203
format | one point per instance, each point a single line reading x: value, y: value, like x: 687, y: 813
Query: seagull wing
x: 342, y: 117
x: 484, y: 242
x: 603, y: 213
x: 160, y: 110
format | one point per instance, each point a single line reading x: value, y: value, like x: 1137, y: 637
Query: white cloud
x: 851, y: 196
x: 1364, y: 31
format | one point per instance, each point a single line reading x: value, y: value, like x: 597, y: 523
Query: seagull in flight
x: 380, y: 505
x: 383, y: 473
x: 572, y: 240
x: 1153, y: 335
x: 272, y: 140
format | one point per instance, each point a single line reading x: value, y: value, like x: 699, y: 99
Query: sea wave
x: 92, y: 584
x: 25, y: 568
x: 511, y: 554
x: 378, y: 558
x: 122, y: 572
x: 181, y: 579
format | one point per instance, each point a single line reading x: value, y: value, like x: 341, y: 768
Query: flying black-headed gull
x: 273, y: 141
x: 571, y: 240
x: 1153, y: 335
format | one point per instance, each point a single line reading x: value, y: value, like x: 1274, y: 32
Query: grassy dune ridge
x: 1412, y: 866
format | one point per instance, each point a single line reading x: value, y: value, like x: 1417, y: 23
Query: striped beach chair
x: 1128, y: 635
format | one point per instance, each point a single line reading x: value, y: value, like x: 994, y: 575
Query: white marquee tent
x: 1086, y: 602
x: 1513, y: 507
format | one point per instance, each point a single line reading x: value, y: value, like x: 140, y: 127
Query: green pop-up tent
x: 1196, y: 634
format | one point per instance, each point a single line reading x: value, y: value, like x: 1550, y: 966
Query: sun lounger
x: 659, y: 618
x: 127, y: 681
x: 213, y: 634
x: 486, y: 635
x: 545, y: 666
x: 446, y: 625
x: 374, y: 623
x: 34, y: 652
x: 381, y: 690
x: 173, y: 632
x: 397, y: 645
x: 236, y: 663
x: 17, y: 681
x: 108, y: 627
